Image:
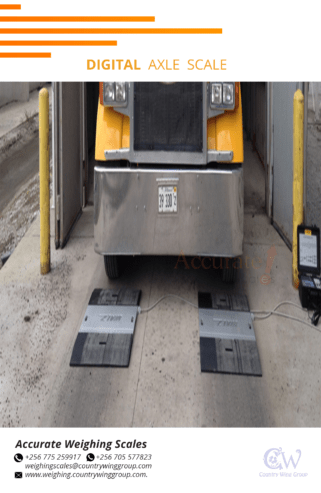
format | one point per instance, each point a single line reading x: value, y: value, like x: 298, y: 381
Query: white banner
x: 153, y: 459
x: 126, y: 40
x: 169, y: 41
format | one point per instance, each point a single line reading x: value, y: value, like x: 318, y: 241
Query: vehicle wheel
x: 112, y: 266
x: 228, y: 271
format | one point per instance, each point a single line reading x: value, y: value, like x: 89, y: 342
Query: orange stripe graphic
x: 78, y: 19
x: 58, y: 43
x: 108, y: 31
x: 9, y: 6
x: 25, y: 55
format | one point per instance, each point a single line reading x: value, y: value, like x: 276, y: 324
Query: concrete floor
x: 163, y: 386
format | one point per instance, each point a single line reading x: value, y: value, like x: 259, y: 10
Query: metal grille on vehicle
x: 168, y: 117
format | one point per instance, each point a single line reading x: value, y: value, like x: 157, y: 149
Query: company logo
x: 238, y: 263
x: 281, y: 464
x: 226, y: 323
x: 266, y: 278
x: 110, y: 318
x: 274, y: 458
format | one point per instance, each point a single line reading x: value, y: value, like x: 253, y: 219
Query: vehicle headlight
x: 114, y: 93
x: 228, y: 94
x: 222, y: 95
x: 216, y: 96
x: 120, y: 91
x: 109, y: 92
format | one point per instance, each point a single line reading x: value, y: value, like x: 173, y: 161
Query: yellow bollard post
x: 298, y: 152
x: 44, y: 179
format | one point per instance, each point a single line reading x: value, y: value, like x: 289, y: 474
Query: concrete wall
x: 313, y: 166
x: 16, y: 91
x: 35, y: 85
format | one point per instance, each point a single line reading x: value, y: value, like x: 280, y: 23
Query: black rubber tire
x: 112, y: 266
x: 228, y: 271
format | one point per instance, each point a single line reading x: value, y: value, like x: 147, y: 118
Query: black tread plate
x: 122, y: 296
x: 223, y: 301
x: 232, y: 356
x: 102, y: 350
x: 106, y: 349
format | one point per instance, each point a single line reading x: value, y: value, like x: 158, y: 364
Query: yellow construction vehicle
x: 170, y: 178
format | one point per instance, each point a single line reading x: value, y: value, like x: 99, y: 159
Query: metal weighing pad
x: 227, y: 337
x: 109, y: 319
x: 106, y: 334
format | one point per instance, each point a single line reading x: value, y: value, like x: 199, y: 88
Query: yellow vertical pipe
x: 298, y: 151
x: 44, y: 179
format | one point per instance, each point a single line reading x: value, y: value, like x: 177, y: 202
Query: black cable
x: 316, y: 314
